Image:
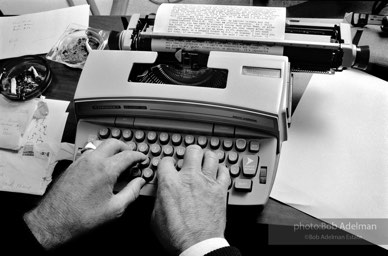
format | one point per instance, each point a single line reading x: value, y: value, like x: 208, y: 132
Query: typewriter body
x: 236, y: 104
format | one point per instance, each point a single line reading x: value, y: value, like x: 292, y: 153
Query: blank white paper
x: 335, y: 162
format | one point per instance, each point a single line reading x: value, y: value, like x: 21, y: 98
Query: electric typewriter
x: 236, y: 103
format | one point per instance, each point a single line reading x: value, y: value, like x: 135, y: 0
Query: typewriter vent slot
x: 105, y: 107
x: 135, y: 107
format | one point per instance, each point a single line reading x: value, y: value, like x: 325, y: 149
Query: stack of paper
x: 29, y: 169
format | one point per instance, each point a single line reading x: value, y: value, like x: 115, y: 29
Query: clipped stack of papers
x: 29, y: 169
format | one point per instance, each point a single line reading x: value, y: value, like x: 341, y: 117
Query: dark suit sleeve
x: 16, y: 238
x: 225, y: 251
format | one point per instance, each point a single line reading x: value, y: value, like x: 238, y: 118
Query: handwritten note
x: 39, y: 134
x: 22, y: 25
x: 37, y: 33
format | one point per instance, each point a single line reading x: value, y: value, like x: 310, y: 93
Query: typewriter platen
x: 237, y: 104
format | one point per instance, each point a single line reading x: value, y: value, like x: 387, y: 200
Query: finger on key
x: 210, y: 164
x: 223, y: 176
x: 111, y: 147
x: 193, y: 158
x: 166, y: 168
x: 121, y: 161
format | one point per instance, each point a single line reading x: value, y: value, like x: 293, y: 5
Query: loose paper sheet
x: 14, y: 119
x: 335, y: 162
x: 37, y: 33
x: 29, y: 170
x: 236, y: 22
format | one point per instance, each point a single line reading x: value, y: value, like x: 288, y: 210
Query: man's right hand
x: 191, y: 204
x: 82, y: 198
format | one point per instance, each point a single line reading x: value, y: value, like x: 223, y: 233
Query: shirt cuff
x: 205, y: 247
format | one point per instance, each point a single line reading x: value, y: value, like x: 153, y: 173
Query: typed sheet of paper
x: 234, y: 22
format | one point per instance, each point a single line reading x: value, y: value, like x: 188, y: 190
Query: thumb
x: 129, y: 193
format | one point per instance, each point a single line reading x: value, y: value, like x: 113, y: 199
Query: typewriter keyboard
x: 248, y: 159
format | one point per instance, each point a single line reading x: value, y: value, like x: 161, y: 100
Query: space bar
x: 173, y: 125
